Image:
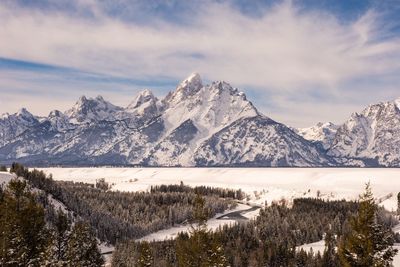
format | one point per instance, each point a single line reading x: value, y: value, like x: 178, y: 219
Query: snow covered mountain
x: 259, y: 141
x: 194, y: 125
x: 13, y: 125
x: 372, y: 135
x: 323, y: 133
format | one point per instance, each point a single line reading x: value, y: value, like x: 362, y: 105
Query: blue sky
x: 300, y: 62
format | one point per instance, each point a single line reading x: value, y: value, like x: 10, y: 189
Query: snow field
x: 262, y: 184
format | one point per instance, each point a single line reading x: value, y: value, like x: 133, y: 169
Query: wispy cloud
x: 284, y: 50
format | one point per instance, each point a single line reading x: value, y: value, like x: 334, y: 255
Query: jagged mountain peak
x: 141, y: 98
x: 223, y: 86
x: 91, y: 109
x: 55, y: 113
x: 210, y: 107
x: 372, y: 135
x: 188, y: 87
x: 12, y: 125
x: 144, y: 105
x: 24, y: 113
x: 192, y: 83
x: 376, y: 111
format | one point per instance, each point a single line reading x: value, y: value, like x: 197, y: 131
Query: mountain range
x: 196, y: 125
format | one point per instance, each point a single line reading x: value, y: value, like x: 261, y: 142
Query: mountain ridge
x: 195, y: 125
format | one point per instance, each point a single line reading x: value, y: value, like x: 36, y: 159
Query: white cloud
x: 284, y: 50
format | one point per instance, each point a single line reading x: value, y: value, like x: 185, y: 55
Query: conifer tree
x: 198, y: 249
x: 145, y: 258
x: 369, y: 244
x: 192, y: 250
x: 216, y: 254
x: 329, y: 258
x: 82, y: 250
x: 23, y: 234
x: 62, y: 227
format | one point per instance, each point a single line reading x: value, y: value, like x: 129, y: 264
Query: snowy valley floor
x: 263, y: 184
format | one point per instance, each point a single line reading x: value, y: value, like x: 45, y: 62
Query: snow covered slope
x: 323, y: 133
x: 372, y: 135
x: 259, y: 141
x: 13, y: 125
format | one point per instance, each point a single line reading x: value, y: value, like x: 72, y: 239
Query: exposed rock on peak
x: 187, y: 88
x: 91, y: 109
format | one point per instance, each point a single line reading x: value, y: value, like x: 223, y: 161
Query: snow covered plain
x: 262, y: 184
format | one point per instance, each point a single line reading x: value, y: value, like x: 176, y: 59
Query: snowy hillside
x: 259, y: 141
x: 321, y: 132
x: 372, y: 135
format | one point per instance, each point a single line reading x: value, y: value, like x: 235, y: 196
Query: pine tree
x: 216, y: 254
x: 199, y: 248
x: 23, y: 234
x: 369, y: 244
x: 82, y: 250
x: 329, y: 258
x: 145, y: 258
x: 192, y: 249
x: 60, y: 237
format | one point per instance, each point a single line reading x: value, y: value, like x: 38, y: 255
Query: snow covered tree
x: 23, y: 233
x: 369, y: 244
x: 216, y: 254
x: 145, y: 258
x: 82, y: 250
x: 58, y: 250
x: 329, y: 258
x: 199, y: 248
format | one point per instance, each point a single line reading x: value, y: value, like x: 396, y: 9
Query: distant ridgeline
x: 195, y: 125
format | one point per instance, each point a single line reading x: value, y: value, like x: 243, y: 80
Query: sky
x: 300, y: 62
